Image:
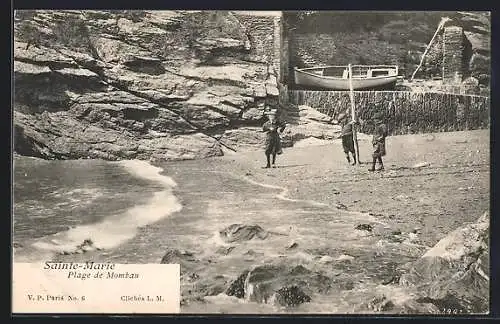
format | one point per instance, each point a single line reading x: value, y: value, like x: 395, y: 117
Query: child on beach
x: 273, y: 140
x: 347, y: 138
x: 378, y: 142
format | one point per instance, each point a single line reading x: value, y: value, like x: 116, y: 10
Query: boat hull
x: 312, y: 81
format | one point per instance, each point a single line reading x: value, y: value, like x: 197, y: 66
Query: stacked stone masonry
x: 277, y: 44
x: 405, y: 112
x: 261, y: 31
x: 453, y: 47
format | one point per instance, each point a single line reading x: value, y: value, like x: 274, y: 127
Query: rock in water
x: 194, y: 276
x: 183, y: 258
x: 291, y: 296
x: 239, y: 233
x: 454, y: 274
x: 172, y: 256
x: 341, y: 206
x: 380, y: 304
x: 326, y: 259
x: 364, y: 227
x: 203, y: 286
x: 225, y: 250
x: 237, y: 287
x: 345, y: 257
x: 279, y: 284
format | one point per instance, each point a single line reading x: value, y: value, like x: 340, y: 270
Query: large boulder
x: 244, y: 138
x: 241, y: 232
x: 317, y: 130
x: 454, y: 274
x: 279, y: 284
x: 305, y: 122
x: 309, y: 114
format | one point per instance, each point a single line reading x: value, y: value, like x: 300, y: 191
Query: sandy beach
x: 435, y: 182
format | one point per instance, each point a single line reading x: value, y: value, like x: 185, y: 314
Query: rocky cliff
x: 148, y: 84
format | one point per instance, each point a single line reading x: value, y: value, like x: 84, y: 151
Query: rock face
x: 165, y: 85
x: 306, y: 122
x: 454, y: 274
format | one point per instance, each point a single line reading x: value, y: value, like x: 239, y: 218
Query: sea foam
x: 116, y: 229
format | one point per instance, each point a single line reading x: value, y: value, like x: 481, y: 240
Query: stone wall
x: 285, y: 52
x: 277, y: 45
x: 405, y: 112
x: 261, y: 30
x: 453, y: 48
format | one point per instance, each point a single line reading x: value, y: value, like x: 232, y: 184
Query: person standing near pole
x: 378, y: 142
x: 347, y: 137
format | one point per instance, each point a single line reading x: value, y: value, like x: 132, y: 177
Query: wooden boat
x: 364, y: 77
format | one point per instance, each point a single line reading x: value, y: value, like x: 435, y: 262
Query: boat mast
x: 441, y: 24
x: 353, y: 116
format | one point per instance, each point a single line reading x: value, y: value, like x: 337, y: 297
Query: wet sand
x: 451, y: 187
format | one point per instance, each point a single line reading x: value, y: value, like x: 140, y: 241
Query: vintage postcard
x: 251, y: 162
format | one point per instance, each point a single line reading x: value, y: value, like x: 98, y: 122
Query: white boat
x: 364, y: 77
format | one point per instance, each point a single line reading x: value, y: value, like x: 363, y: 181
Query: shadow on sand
x: 291, y: 166
x: 285, y: 166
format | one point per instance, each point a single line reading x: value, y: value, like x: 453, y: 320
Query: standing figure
x: 273, y: 140
x: 378, y: 142
x: 347, y: 138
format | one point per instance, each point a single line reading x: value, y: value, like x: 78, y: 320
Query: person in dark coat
x: 273, y: 140
x: 378, y: 142
x: 347, y: 137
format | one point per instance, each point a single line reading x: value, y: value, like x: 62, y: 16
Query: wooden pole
x: 353, y: 116
x: 441, y: 24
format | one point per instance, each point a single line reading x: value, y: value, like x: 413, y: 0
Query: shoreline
x: 116, y: 229
x: 246, y: 166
